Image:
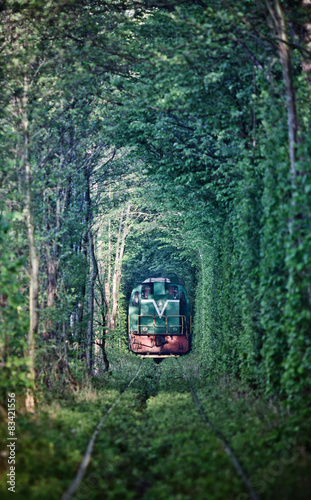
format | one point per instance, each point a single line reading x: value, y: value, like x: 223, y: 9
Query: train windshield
x: 146, y: 290
x: 135, y: 299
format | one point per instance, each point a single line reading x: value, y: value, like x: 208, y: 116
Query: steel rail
x: 87, y: 456
x: 238, y: 467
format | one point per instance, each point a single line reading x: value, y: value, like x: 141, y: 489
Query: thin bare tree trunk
x: 108, y: 282
x: 65, y: 340
x: 52, y: 257
x: 85, y: 240
x: 278, y: 17
x: 124, y: 235
x: 90, y: 332
x: 306, y: 38
x: 33, y: 258
x: 116, y: 280
x: 104, y: 308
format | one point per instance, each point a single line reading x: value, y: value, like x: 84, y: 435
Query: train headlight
x: 160, y: 303
x: 175, y: 329
x: 145, y: 329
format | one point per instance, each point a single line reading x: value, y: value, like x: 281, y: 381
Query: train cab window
x: 135, y: 299
x: 173, y: 291
x: 146, y: 291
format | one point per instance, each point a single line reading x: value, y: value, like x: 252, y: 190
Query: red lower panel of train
x: 159, y: 344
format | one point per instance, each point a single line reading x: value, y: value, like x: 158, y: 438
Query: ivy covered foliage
x: 156, y: 138
x: 13, y: 320
x: 142, y: 139
x: 209, y: 116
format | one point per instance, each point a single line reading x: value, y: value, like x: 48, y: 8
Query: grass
x: 154, y: 445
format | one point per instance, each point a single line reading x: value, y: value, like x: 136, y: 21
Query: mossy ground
x: 155, y: 446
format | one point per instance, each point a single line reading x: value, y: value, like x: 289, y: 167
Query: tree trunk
x: 33, y: 258
x: 116, y: 280
x: 52, y: 256
x: 104, y: 308
x: 278, y: 17
x: 306, y: 38
x: 90, y: 332
x: 52, y: 274
x: 84, y: 244
x: 114, y: 295
x: 108, y: 282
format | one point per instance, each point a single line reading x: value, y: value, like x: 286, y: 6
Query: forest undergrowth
x: 155, y: 445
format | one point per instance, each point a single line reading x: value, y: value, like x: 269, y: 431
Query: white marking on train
x: 160, y: 314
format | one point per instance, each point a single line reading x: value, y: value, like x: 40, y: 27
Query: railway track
x: 235, y: 461
x: 88, y: 453
x: 74, y: 486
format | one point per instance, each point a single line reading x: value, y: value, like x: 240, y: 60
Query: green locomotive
x: 159, y: 319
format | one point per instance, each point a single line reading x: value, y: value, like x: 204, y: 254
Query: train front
x: 159, y: 319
